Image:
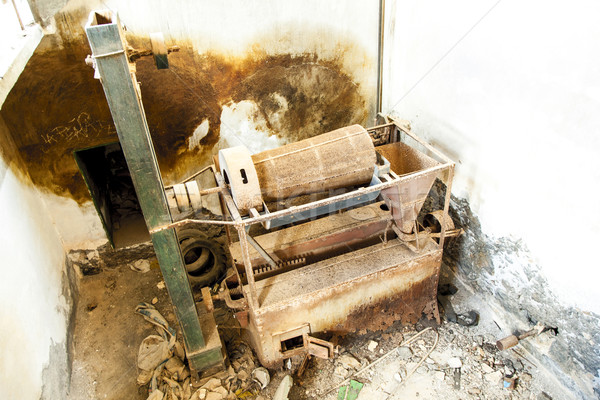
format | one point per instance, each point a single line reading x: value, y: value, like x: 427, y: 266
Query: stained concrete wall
x: 35, y: 294
x: 260, y: 73
x: 511, y: 92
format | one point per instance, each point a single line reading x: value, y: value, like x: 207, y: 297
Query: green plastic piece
x: 351, y: 391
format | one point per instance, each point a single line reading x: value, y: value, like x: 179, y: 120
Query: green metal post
x: 124, y: 99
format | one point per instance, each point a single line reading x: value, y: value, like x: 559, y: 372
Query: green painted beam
x: 124, y: 99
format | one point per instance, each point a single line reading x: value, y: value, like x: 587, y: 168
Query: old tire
x: 204, y: 258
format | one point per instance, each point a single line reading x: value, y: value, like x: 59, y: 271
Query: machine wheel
x: 204, y: 258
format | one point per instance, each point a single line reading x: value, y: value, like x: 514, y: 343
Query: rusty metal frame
x: 263, y: 335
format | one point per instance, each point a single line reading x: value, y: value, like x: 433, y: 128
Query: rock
x: 261, y: 376
x: 348, y: 361
x: 243, y: 375
x: 494, y: 377
x: 454, y: 362
x: 429, y: 361
x: 372, y: 345
x: 439, y: 375
x: 525, y: 377
x: 474, y: 391
x: 214, y: 396
x: 422, y: 370
x: 486, y: 368
x: 155, y: 300
x: 340, y: 371
x: 404, y: 353
x: 160, y: 285
x: 284, y: 388
x: 397, y: 377
x: 142, y: 266
x: 199, y: 394
x: 221, y: 390
x: 212, y: 384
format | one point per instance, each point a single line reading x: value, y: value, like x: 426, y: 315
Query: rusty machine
x: 325, y: 234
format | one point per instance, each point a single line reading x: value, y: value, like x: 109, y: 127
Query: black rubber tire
x: 204, y: 258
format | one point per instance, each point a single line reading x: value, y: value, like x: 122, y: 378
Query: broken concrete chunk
x: 348, y: 361
x: 340, y: 371
x: 199, y: 394
x: 486, y: 368
x: 439, y: 375
x: 243, y: 375
x: 404, y: 353
x: 214, y: 396
x: 372, y: 345
x: 454, y: 362
x: 142, y: 266
x: 494, y: 377
x: 212, y: 384
x: 284, y: 388
x: 221, y: 390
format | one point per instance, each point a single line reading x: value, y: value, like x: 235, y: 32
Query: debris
x: 199, y: 394
x: 351, y: 391
x: 372, y: 345
x: 221, y: 390
x: 212, y: 384
x: 513, y: 340
x: 389, y: 353
x: 404, y: 353
x: 439, y: 375
x: 261, y: 376
x: 470, y: 318
x: 153, y: 351
x: 510, y: 382
x: 284, y: 388
x: 454, y: 362
x: 155, y: 300
x: 457, y: 374
x: 214, y: 396
x: 340, y: 371
x: 160, y: 285
x: 474, y: 391
x: 486, y: 368
x: 349, y: 362
x: 142, y: 266
x: 494, y: 377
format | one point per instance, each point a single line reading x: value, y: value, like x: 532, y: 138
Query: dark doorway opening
x: 108, y: 179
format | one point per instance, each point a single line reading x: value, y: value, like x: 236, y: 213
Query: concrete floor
x: 108, y: 333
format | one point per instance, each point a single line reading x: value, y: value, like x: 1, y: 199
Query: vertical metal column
x: 124, y: 99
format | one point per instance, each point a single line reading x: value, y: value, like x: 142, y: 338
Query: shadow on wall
x: 502, y: 270
x: 203, y: 102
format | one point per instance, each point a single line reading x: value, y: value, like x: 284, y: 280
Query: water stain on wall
x: 57, y: 107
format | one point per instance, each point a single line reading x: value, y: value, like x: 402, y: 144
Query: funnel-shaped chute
x: 414, y: 169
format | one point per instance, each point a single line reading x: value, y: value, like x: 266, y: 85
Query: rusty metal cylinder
x: 341, y: 158
x: 507, y: 342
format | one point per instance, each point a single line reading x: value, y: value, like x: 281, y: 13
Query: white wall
x: 33, y: 308
x: 516, y: 104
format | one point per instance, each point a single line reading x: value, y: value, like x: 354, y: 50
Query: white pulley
x: 238, y: 170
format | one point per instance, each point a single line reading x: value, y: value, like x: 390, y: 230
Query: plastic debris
x: 261, y: 376
x: 142, y: 266
x: 351, y: 391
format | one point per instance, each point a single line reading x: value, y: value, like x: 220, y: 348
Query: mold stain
x: 57, y: 107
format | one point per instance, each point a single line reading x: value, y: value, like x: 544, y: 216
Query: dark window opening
x: 108, y: 179
x: 292, y: 343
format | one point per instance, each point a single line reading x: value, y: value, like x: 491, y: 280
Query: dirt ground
x: 108, y: 333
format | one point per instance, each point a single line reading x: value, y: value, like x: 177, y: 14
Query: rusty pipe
x: 513, y: 340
